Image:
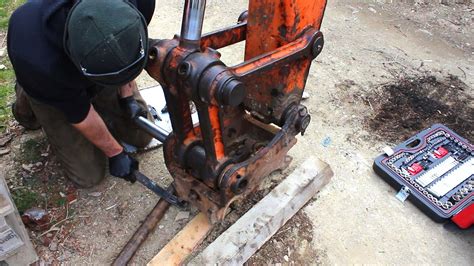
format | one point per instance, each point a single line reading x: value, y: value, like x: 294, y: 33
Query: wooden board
x: 184, y: 243
x: 236, y: 245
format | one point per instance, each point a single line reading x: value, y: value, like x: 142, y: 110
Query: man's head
x: 107, y: 40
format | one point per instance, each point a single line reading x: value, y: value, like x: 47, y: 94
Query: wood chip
x: 27, y: 167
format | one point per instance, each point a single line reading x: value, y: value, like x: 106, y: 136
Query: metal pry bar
x: 153, y: 186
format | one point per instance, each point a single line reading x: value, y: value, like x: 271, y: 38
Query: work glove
x: 123, y: 166
x: 132, y: 108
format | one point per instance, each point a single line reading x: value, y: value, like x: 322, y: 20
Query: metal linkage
x: 249, y: 114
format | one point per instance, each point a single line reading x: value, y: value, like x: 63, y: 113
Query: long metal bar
x: 153, y: 186
x: 193, y: 17
x: 142, y: 232
x: 151, y: 128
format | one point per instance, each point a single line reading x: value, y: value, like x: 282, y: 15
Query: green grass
x: 6, y: 8
x: 25, y: 199
x: 7, y: 76
x: 31, y: 150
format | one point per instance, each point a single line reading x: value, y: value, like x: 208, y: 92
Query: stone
x: 53, y: 246
x: 181, y: 216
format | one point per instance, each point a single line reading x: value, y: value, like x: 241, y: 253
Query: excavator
x: 249, y: 114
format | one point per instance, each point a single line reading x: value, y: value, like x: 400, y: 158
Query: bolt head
x: 318, y: 46
x: 232, y: 93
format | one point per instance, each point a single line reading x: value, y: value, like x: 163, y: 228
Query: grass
x: 31, y: 150
x: 25, y: 199
x: 7, y: 76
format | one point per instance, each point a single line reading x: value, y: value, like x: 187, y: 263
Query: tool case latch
x: 403, y: 194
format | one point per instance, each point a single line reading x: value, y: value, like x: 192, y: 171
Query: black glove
x: 123, y: 166
x: 132, y: 107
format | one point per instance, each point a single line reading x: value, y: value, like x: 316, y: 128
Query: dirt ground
x: 386, y: 72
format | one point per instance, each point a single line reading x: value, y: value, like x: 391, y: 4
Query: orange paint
x: 273, y: 23
x: 216, y: 129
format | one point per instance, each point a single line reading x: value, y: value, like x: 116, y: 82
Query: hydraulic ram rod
x: 193, y: 18
x: 151, y: 128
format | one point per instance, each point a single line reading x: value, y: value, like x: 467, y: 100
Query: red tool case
x: 435, y: 169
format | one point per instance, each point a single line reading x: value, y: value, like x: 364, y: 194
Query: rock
x: 2, y: 52
x: 286, y: 258
x: 4, y: 151
x: 161, y: 226
x: 95, y: 194
x: 27, y: 167
x: 3, y: 67
x: 4, y: 140
x: 182, y: 216
x: 53, y: 246
x: 305, y: 95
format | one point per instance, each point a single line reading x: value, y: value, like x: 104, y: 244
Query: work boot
x: 21, y: 110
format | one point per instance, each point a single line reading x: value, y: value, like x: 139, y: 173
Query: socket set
x: 436, y: 168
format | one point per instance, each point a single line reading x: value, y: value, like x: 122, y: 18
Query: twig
x: 54, y: 227
x: 90, y: 254
x: 110, y: 207
x: 465, y: 76
x: 67, y: 236
x: 370, y: 104
x: 282, y: 231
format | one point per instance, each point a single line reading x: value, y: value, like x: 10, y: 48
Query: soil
x: 412, y: 104
x: 291, y: 245
x: 387, y: 71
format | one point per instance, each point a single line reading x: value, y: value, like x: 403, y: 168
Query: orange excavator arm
x: 249, y: 114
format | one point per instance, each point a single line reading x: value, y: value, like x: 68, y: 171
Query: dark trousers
x: 83, y: 162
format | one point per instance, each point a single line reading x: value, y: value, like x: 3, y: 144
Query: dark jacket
x: 42, y: 68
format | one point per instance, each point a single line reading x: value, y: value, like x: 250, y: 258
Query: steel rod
x: 193, y: 17
x: 151, y: 128
x: 142, y: 232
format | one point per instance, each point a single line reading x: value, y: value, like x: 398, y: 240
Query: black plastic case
x: 399, y: 166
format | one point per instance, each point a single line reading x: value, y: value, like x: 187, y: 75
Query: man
x: 75, y: 63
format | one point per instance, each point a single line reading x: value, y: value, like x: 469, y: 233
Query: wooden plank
x: 236, y: 245
x: 184, y: 243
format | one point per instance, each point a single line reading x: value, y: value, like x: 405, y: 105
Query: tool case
x: 435, y: 170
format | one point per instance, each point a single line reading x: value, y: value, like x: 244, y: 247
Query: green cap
x: 107, y: 40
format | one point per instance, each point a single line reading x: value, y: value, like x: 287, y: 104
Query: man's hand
x: 123, y: 166
x: 132, y: 107
x: 128, y: 102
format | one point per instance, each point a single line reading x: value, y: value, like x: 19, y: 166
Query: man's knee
x: 22, y: 110
x: 87, y: 174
